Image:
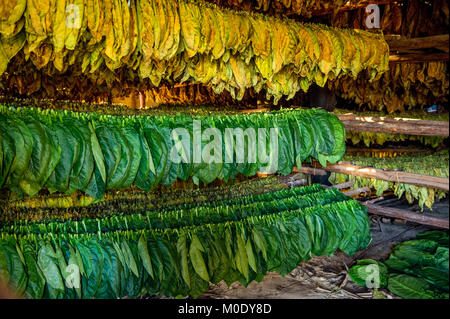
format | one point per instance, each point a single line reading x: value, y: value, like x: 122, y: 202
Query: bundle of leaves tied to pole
x: 108, y: 46
x: 64, y: 151
x: 436, y: 164
x: 178, y: 251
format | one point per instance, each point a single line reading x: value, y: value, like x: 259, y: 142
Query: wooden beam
x: 370, y: 172
x: 344, y: 185
x: 419, y: 218
x: 297, y: 182
x: 385, y: 124
x: 390, y: 176
x: 380, y: 124
x: 418, y: 57
x: 395, y: 120
x: 394, y: 125
x: 434, y: 41
x: 357, y: 191
x: 312, y: 171
x: 372, y: 201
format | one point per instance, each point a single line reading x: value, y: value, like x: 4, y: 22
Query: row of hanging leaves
x: 436, y: 164
x: 111, y: 43
x: 160, y: 254
x: 68, y: 151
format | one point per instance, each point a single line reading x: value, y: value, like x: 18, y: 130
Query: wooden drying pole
x: 357, y: 191
x: 419, y: 218
x: 386, y: 175
x: 418, y: 57
x: 377, y: 124
x: 417, y: 49
x: 435, y: 41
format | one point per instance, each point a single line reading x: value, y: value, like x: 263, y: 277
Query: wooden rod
x: 390, y: 176
x: 434, y: 41
x: 357, y: 191
x: 344, y: 185
x: 395, y: 125
x: 419, y: 218
x: 370, y: 172
x: 298, y: 182
x: 386, y: 124
x: 377, y: 199
x: 312, y: 171
x: 418, y: 57
x: 395, y: 120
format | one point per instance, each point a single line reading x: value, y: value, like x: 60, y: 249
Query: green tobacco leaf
x: 59, y: 179
x: 183, y: 252
x: 98, y: 154
x: 21, y: 135
x: 7, y: 152
x: 242, y: 261
x: 47, y: 262
x: 195, y: 253
x: 260, y: 242
x: 96, y: 187
x: 44, y: 158
x: 438, y: 236
x: 410, y: 287
x: 111, y: 148
x: 129, y: 258
x: 250, y: 255
x: 435, y: 276
x: 144, y: 255
x: 86, y: 161
x: 36, y: 279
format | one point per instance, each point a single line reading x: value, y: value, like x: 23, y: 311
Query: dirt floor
x: 326, y: 277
